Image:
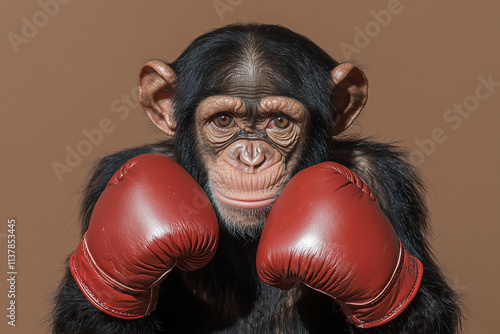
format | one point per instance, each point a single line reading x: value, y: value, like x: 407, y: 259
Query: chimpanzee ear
x: 350, y: 92
x: 156, y: 91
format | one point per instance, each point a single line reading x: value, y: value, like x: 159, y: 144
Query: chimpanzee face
x: 251, y: 143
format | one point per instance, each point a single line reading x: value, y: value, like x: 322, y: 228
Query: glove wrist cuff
x: 105, y: 293
x: 393, y: 299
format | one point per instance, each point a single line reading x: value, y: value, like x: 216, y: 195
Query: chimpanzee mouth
x: 245, y: 204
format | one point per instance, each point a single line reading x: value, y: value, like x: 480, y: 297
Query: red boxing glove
x: 326, y: 230
x: 152, y: 216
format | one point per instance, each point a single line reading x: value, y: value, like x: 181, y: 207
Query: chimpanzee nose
x: 251, y: 156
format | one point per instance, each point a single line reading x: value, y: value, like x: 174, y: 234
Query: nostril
x: 243, y: 161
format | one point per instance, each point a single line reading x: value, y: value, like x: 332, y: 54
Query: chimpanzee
x: 254, y: 215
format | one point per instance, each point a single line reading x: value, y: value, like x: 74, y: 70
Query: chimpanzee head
x: 247, y: 107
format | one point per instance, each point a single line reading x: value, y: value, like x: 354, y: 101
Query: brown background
x: 68, y: 76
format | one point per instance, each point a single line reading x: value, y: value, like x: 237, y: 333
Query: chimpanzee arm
x: 400, y: 192
x: 72, y: 312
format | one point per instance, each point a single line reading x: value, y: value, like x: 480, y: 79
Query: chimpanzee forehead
x: 251, y: 82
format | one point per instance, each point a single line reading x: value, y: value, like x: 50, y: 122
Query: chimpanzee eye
x: 224, y: 121
x: 281, y: 121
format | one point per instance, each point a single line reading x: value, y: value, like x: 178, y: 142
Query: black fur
x: 227, y: 296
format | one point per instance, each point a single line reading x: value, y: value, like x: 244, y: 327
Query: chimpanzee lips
x: 246, y: 204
